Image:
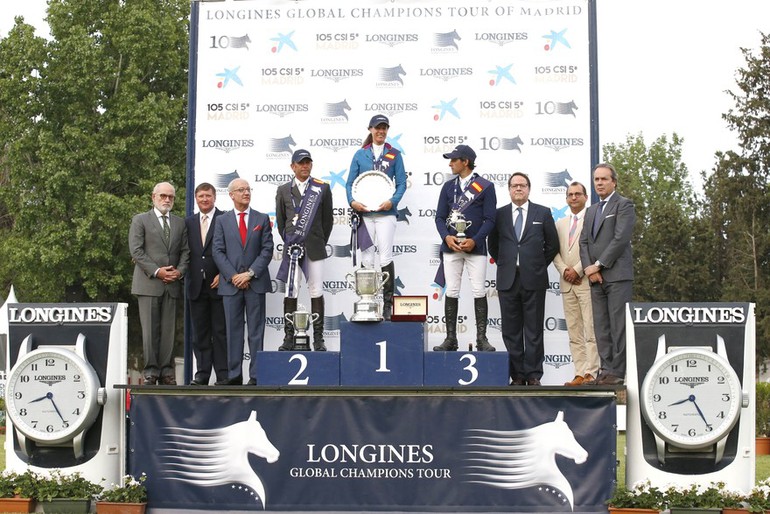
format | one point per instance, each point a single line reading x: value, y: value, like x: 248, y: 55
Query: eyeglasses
x: 574, y: 195
x: 242, y: 190
x: 518, y: 186
x: 164, y: 196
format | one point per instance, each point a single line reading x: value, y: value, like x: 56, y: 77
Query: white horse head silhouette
x: 524, y: 458
x: 210, y: 457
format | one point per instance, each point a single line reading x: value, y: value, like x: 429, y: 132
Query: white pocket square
x: 537, y: 222
x: 609, y: 216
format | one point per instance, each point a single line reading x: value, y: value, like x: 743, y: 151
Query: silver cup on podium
x: 460, y: 224
x: 367, y: 283
x: 301, y: 319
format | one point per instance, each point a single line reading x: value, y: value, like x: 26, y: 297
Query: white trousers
x: 381, y: 229
x: 314, y: 279
x: 476, y: 264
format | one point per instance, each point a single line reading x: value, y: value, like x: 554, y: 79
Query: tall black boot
x: 450, y: 317
x: 387, y: 291
x: 317, y: 307
x: 480, y: 310
x: 289, y: 306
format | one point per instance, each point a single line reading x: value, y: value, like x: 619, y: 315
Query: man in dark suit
x: 605, y: 252
x: 243, y: 248
x: 157, y: 240
x: 207, y: 314
x: 304, y: 215
x: 523, y: 244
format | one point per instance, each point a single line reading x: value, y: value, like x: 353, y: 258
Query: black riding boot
x: 289, y: 307
x: 387, y: 291
x: 450, y: 317
x: 317, y: 307
x: 480, y: 310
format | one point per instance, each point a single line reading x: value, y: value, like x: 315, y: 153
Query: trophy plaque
x: 410, y: 308
x: 367, y: 283
x: 301, y: 320
x: 372, y: 189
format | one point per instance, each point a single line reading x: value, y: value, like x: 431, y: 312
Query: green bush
x: 763, y: 409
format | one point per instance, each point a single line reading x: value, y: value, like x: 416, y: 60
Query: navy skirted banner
x: 374, y: 450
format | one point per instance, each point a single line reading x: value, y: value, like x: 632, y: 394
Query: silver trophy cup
x: 460, y: 224
x: 367, y: 283
x: 301, y: 319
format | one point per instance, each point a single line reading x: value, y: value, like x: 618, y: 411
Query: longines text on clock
x: 59, y: 315
x: 689, y: 315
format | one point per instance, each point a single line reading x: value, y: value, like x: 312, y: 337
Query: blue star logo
x: 335, y: 178
x: 500, y: 74
x: 445, y: 108
x: 395, y: 143
x: 227, y: 76
x: 558, y: 213
x: 283, y: 39
x: 556, y: 37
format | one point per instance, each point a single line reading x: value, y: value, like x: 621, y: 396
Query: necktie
x: 166, y: 228
x: 204, y: 227
x: 573, y: 229
x: 517, y: 223
x: 242, y: 227
x: 598, y: 217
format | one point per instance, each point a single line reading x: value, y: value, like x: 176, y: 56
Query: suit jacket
x: 481, y: 213
x: 569, y: 255
x: 202, y: 268
x: 150, y: 251
x: 612, y: 244
x: 320, y: 230
x: 537, y: 248
x: 232, y: 257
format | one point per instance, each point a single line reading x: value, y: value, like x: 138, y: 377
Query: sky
x: 664, y: 67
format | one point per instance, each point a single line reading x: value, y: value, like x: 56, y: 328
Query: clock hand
x: 39, y: 399
x: 55, y: 407
x: 692, y: 399
x: 679, y: 402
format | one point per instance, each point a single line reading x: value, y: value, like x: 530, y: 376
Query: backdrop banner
x: 375, y: 452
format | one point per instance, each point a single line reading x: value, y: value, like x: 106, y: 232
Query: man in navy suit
x: 207, y: 315
x: 243, y: 248
x: 523, y: 244
x: 605, y: 252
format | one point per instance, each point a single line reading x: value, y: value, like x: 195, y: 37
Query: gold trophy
x: 301, y: 319
x: 367, y: 283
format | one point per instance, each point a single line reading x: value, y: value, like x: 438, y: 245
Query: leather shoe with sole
x: 578, y: 380
x: 533, y: 381
x: 518, y: 382
x: 168, y: 380
x: 199, y: 382
x: 236, y: 381
x: 252, y: 382
x: 611, y: 380
x: 150, y: 380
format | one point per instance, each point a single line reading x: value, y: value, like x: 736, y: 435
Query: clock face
x: 691, y: 398
x: 51, y: 395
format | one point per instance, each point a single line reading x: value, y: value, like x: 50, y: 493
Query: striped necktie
x: 166, y: 228
x: 573, y: 229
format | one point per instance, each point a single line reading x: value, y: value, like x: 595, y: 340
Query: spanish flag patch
x: 389, y: 156
x: 477, y: 187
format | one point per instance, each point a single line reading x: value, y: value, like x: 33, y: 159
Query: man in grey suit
x: 605, y: 251
x: 157, y: 240
x: 207, y: 314
x: 523, y: 243
x: 243, y: 248
x: 304, y: 216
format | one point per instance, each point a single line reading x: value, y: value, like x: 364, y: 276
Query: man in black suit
x: 207, y: 315
x: 523, y: 244
x: 605, y: 252
x: 304, y: 216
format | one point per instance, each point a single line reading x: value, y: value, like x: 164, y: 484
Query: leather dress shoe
x: 150, y: 380
x: 610, y: 380
x: 231, y: 381
x: 168, y: 380
x: 533, y: 381
x: 199, y: 382
x: 518, y: 382
x: 578, y: 380
x: 588, y: 378
x: 252, y: 382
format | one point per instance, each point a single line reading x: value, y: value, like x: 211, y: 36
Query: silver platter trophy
x: 458, y: 222
x: 372, y: 189
x: 301, y: 319
x: 367, y: 283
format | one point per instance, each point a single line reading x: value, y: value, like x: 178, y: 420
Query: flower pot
x: 762, y: 445
x: 632, y: 510
x: 66, y: 506
x: 17, y: 505
x: 120, y: 508
x: 734, y: 510
x: 693, y: 510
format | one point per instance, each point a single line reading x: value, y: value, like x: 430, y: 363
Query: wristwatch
x: 251, y: 273
x: 598, y: 264
x: 691, y: 399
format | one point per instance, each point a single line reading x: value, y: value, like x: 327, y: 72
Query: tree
x: 671, y: 259
x: 737, y: 195
x: 91, y: 120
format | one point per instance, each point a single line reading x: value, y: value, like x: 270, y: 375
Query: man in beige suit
x: 575, y: 289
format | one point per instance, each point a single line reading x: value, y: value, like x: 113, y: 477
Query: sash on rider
x: 472, y: 192
x: 294, y: 243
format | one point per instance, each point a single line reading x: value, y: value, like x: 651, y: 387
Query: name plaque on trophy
x: 410, y: 308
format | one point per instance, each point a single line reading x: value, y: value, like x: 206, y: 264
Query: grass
x: 762, y: 463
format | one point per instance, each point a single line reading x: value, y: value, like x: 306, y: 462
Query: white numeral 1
x: 383, y: 357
